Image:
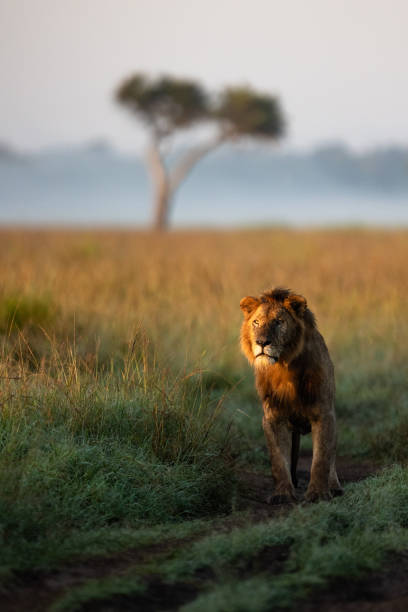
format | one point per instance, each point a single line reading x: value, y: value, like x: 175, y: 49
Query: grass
x: 76, y: 456
x: 346, y: 539
x: 126, y: 405
x: 25, y: 311
x: 342, y: 538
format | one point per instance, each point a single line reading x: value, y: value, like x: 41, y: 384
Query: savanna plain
x: 133, y: 469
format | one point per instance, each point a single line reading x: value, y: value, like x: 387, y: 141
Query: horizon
x: 104, y: 145
x: 91, y: 186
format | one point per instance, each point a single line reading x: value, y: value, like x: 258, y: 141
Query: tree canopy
x: 166, y: 103
x: 249, y: 113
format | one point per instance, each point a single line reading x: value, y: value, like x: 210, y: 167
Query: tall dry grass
x: 175, y: 299
x: 183, y: 289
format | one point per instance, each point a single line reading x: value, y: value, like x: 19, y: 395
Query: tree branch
x: 180, y: 171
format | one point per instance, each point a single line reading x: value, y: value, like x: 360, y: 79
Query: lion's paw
x: 315, y: 495
x: 283, y: 497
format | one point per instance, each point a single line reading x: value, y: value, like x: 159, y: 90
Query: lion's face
x: 272, y: 329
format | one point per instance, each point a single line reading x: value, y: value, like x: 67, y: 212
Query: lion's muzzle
x: 265, y: 353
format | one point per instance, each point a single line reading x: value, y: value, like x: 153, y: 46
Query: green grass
x: 379, y: 506
x: 22, y: 311
x: 81, y: 457
x: 347, y: 538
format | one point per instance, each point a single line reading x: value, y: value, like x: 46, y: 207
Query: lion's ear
x: 297, y: 303
x: 248, y: 304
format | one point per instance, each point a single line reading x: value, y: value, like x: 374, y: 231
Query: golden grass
x: 183, y: 289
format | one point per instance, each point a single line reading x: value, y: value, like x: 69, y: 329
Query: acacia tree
x: 167, y: 105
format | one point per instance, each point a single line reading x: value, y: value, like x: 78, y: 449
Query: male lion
x: 295, y: 381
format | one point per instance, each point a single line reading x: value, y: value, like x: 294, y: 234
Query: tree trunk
x: 161, y: 206
x: 161, y: 186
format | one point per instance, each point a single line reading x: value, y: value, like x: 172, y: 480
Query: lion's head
x: 274, y: 326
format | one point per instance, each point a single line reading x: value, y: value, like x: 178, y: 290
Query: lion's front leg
x: 324, y: 451
x: 278, y: 439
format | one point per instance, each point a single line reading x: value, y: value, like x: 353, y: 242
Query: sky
x: 339, y: 67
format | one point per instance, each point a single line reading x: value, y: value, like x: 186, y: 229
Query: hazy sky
x: 339, y: 66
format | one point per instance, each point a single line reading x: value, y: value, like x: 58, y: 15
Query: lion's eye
x: 255, y: 323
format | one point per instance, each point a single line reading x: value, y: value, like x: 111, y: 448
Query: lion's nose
x: 262, y: 342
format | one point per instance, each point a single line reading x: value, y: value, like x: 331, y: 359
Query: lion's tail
x: 294, y: 456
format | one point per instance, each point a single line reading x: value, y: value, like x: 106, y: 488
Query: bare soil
x: 37, y: 591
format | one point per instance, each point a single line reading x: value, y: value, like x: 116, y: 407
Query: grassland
x: 128, y: 415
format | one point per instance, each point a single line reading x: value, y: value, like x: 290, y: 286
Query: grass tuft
x: 19, y: 311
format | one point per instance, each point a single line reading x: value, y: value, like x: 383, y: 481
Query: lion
x: 295, y: 381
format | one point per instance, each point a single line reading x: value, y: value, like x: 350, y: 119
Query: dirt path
x: 37, y: 591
